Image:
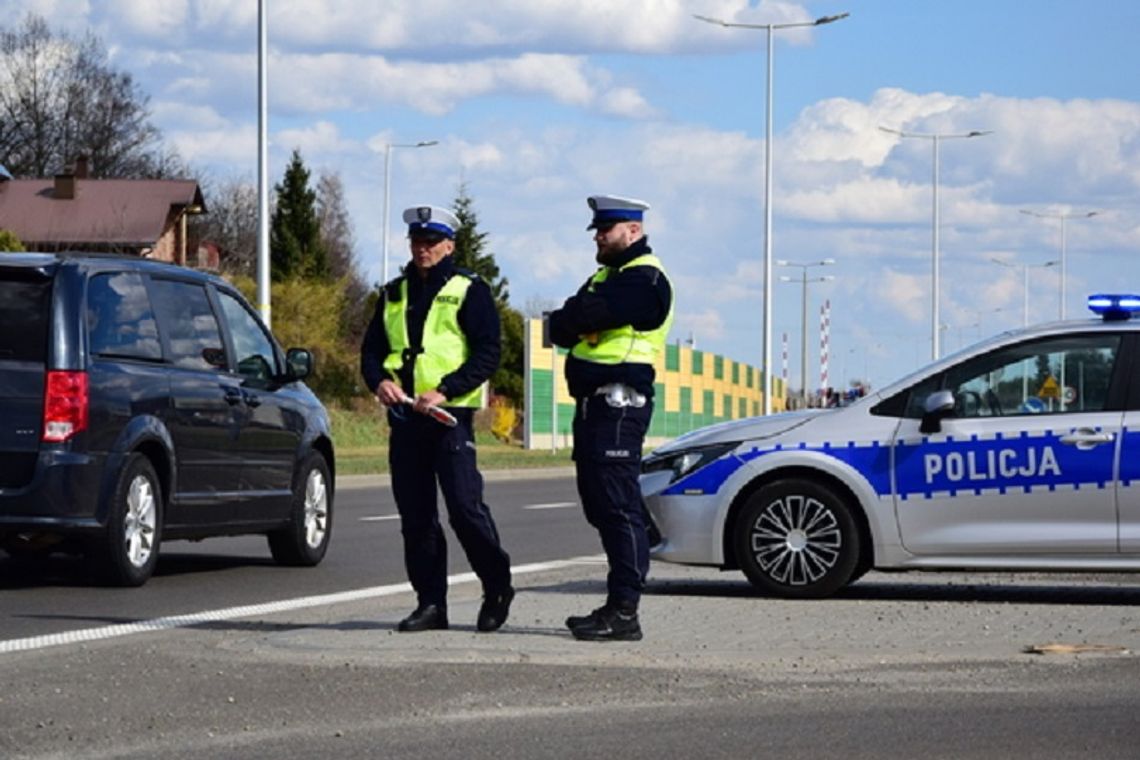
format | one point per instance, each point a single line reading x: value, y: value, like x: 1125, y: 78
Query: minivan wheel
x: 797, y: 539
x: 127, y: 552
x: 304, y: 541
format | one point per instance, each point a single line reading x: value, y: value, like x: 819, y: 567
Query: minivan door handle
x: 233, y: 395
x: 1086, y: 438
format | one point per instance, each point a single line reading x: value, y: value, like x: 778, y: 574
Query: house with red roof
x: 73, y: 211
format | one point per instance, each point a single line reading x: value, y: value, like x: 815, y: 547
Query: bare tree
x: 340, y: 246
x: 231, y: 224
x: 60, y: 98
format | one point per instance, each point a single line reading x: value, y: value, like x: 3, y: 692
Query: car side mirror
x: 938, y: 406
x: 299, y: 362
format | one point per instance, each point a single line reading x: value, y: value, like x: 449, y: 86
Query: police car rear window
x: 24, y: 316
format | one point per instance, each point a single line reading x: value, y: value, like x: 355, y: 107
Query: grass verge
x: 361, y: 439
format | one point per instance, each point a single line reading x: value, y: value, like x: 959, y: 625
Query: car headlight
x: 688, y: 461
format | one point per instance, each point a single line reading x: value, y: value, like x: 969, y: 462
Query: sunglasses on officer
x: 427, y: 238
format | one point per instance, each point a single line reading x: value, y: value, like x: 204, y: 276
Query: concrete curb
x: 491, y: 476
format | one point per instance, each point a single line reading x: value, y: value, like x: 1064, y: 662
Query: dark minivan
x: 142, y: 402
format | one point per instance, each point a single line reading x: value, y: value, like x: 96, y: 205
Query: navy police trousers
x: 423, y: 452
x: 607, y: 459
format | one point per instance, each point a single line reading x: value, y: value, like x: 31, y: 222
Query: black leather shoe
x: 427, y: 617
x: 609, y: 624
x: 494, y: 611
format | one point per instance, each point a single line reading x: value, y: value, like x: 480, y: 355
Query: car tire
x: 797, y: 539
x: 304, y: 541
x: 127, y: 552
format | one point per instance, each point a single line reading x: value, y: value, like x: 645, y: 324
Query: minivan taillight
x: 65, y: 405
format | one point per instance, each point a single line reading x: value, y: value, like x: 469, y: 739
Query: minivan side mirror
x: 938, y: 406
x: 299, y: 362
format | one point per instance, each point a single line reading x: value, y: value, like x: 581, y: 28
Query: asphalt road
x: 537, y: 520
x: 931, y: 665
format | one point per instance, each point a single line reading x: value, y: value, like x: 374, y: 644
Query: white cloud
x: 321, y: 138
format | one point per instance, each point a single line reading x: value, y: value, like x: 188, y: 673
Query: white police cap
x: 611, y: 209
x: 427, y: 220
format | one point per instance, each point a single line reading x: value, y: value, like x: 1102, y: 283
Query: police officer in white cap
x: 615, y: 327
x: 433, y: 342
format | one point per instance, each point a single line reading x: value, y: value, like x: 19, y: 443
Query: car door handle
x: 1086, y: 438
x: 233, y: 395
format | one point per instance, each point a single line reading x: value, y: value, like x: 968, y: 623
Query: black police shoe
x: 427, y: 617
x: 494, y: 611
x: 577, y: 621
x: 607, y: 624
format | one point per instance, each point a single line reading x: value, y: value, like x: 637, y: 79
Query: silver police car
x: 1019, y: 453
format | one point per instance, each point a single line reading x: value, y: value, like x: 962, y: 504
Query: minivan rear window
x: 24, y: 318
x: 120, y: 321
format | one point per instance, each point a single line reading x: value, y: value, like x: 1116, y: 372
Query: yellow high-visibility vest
x: 444, y: 344
x: 625, y: 344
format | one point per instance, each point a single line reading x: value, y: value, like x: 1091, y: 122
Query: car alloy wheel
x: 140, y: 520
x: 316, y: 508
x: 305, y: 539
x: 796, y: 538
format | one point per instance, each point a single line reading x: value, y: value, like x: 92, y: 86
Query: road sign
x: 1070, y: 394
x: 1049, y: 388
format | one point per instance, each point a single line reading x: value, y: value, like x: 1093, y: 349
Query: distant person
x: 433, y: 342
x: 615, y: 327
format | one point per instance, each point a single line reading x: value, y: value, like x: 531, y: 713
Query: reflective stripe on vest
x: 625, y: 344
x: 444, y: 344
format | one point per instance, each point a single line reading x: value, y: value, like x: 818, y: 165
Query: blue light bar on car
x: 1112, y: 306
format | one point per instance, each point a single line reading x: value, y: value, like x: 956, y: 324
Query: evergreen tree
x: 470, y: 246
x: 471, y: 253
x: 295, y: 248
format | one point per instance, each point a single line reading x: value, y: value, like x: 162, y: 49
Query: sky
x: 537, y: 104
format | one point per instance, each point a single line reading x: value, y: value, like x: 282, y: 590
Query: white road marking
x: 379, y: 518
x: 253, y: 610
x: 553, y: 505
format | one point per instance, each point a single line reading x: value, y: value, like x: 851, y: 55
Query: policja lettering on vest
x: 615, y: 327
x: 435, y: 338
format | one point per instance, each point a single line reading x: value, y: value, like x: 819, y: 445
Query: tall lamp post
x: 388, y: 187
x: 803, y: 279
x: 1025, y: 314
x: 767, y: 328
x: 934, y: 301
x: 1062, y: 217
x: 1025, y: 283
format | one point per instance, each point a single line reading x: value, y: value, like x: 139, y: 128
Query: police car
x: 1021, y: 452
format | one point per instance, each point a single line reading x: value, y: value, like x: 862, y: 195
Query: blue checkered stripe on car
x: 939, y: 466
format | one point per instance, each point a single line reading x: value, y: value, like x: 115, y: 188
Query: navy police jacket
x: 637, y: 296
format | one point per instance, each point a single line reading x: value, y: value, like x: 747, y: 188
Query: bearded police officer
x: 433, y: 342
x: 615, y: 327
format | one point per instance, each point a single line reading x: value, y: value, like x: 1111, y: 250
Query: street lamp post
x: 803, y: 279
x: 1025, y: 315
x: 388, y: 186
x: 934, y: 299
x: 1025, y: 282
x: 767, y: 327
x: 1062, y: 217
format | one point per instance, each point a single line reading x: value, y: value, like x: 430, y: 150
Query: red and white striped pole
x: 824, y: 343
x: 784, y: 364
